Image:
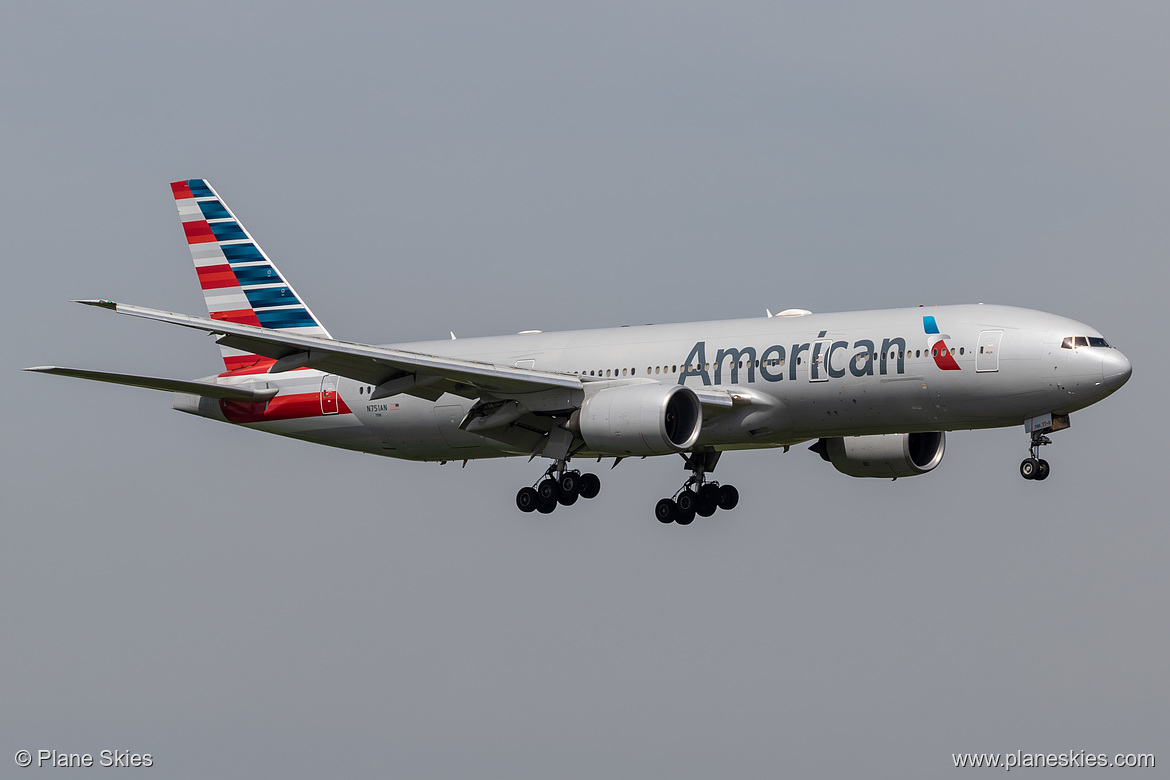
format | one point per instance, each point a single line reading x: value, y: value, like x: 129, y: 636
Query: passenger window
x: 917, y: 353
x: 962, y: 350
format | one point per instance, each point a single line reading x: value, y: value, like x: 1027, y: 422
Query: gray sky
x: 239, y: 605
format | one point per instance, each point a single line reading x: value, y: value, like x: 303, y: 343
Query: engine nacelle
x: 887, y: 455
x: 639, y: 419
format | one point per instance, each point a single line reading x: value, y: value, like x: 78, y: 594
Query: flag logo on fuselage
x: 944, y: 356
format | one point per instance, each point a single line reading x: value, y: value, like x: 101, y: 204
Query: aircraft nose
x: 1115, y: 369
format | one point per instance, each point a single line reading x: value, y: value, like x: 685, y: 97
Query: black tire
x: 685, y: 518
x: 1042, y: 470
x: 728, y: 497
x: 590, y: 486
x: 709, y: 494
x: 546, y: 507
x: 688, y: 502
x: 570, y: 484
x: 527, y: 499
x: 567, y: 499
x: 1029, y: 467
x: 706, y: 510
x: 666, y: 511
x: 548, y: 490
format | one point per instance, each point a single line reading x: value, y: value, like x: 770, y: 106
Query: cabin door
x: 987, y: 356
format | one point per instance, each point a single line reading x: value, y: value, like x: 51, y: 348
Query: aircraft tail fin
x: 240, y: 284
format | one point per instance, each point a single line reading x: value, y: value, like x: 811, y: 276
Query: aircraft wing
x: 392, y: 371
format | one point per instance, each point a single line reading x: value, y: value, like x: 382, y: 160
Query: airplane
x: 875, y: 391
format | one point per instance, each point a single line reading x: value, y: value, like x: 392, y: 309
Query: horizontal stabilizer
x: 206, y: 389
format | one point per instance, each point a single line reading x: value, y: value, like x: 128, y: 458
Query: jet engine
x: 639, y: 419
x: 887, y: 455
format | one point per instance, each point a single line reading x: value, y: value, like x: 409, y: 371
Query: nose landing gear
x: 697, y: 496
x: 557, y: 486
x: 1034, y: 467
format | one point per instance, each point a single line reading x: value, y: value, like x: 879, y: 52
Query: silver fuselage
x: 795, y: 378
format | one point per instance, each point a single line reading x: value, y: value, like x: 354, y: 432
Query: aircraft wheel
x: 527, y: 499
x: 548, y: 490
x: 546, y: 507
x: 1029, y: 467
x: 567, y: 499
x: 570, y: 484
x: 688, y: 503
x: 666, y: 511
x: 709, y: 494
x: 590, y: 485
x: 1042, y: 470
x: 705, y: 509
x: 728, y: 497
x: 685, y: 517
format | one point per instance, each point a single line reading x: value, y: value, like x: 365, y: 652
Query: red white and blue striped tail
x: 240, y: 284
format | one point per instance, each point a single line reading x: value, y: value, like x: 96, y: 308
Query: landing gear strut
x: 697, y: 496
x: 1033, y: 467
x: 559, y: 485
x: 1036, y: 427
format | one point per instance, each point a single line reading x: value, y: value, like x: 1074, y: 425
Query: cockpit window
x: 1072, y: 342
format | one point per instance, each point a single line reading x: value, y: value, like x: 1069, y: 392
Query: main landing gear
x: 1033, y: 467
x: 557, y: 486
x: 697, y: 496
